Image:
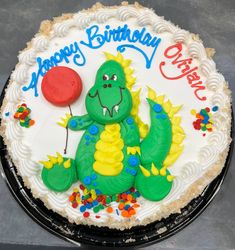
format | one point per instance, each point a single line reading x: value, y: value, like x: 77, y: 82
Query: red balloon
x: 61, y: 86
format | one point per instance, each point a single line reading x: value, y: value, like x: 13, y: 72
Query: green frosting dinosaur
x: 110, y: 156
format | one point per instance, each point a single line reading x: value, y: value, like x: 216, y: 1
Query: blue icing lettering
x: 58, y: 57
x: 95, y: 40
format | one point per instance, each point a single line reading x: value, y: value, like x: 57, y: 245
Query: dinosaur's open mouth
x: 108, y: 101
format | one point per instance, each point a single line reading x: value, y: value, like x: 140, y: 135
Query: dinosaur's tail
x: 160, y: 148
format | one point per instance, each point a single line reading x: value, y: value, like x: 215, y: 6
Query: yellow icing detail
x: 193, y: 112
x: 172, y: 158
x: 175, y: 148
x: 133, y: 150
x: 67, y: 164
x: 110, y: 147
x: 174, y: 110
x: 154, y: 170
x: 108, y: 155
x: 52, y: 159
x: 143, y: 128
x: 209, y: 125
x: 110, y: 137
x: 144, y: 171
x: 130, y: 81
x: 167, y: 106
x: 178, y: 138
x: 176, y: 120
x: 170, y: 178
x: 78, y: 199
x: 128, y: 71
x: 59, y: 158
x: 177, y: 129
x: 108, y: 169
x: 75, y: 190
x: 47, y: 164
x: 64, y: 120
x: 163, y: 171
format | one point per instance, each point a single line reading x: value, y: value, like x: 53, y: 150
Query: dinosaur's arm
x: 76, y: 123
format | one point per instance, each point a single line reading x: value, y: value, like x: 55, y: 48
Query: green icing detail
x: 153, y: 188
x: 155, y: 147
x: 110, y: 102
x: 77, y: 123
x: 58, y: 178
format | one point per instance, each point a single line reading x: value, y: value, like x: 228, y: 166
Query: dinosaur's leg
x: 59, y: 173
x: 153, y: 181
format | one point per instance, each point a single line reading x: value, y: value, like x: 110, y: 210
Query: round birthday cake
x: 115, y: 117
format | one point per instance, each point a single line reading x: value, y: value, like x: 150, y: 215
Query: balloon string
x: 67, y: 133
x: 70, y: 111
x: 66, y: 142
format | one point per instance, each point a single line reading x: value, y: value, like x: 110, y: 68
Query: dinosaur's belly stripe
x: 108, y: 155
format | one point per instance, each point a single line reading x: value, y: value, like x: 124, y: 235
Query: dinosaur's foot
x: 59, y: 173
x: 153, y: 184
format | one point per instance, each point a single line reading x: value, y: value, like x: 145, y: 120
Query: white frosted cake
x: 115, y: 117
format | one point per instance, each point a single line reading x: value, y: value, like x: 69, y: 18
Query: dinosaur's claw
x: 64, y: 121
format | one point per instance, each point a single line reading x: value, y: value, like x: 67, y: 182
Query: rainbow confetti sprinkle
x: 203, y: 120
x: 96, y: 201
x: 22, y: 114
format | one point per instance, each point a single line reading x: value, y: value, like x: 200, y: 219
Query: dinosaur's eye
x: 114, y: 77
x: 105, y: 77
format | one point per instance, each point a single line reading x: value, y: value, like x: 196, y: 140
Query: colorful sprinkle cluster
x: 93, y: 199
x: 22, y: 114
x: 203, y: 120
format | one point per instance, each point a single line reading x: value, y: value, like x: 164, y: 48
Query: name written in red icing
x: 174, y: 54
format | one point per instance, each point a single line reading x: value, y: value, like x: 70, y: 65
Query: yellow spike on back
x: 52, y: 159
x: 177, y: 129
x: 160, y: 99
x: 47, y: 164
x: 59, y: 157
x: 67, y: 164
x: 175, y: 148
x: 171, y: 158
x: 154, y: 170
x: 128, y: 70
x: 176, y: 120
x: 178, y: 138
x: 163, y: 171
x: 170, y: 178
x: 167, y: 106
x: 152, y: 94
x: 126, y: 63
x: 145, y: 172
x: 109, y: 56
x: 174, y: 110
x: 119, y: 57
